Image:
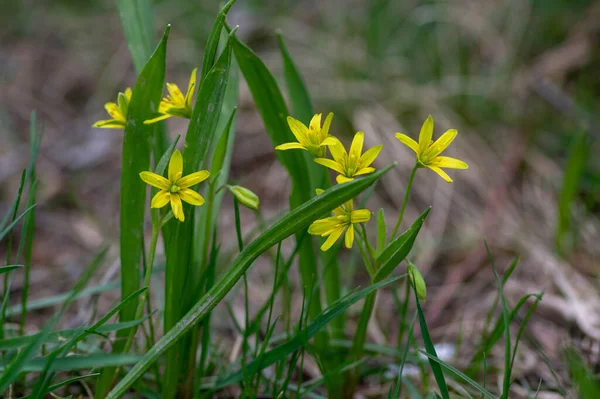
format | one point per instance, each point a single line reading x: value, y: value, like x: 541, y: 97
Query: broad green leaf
x: 145, y: 98
x: 301, y: 338
x: 399, y: 248
x: 294, y: 221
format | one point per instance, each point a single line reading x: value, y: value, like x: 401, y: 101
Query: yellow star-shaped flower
x: 334, y: 226
x: 176, y: 104
x: 352, y: 163
x: 313, y: 139
x: 428, y: 152
x: 175, y: 188
x: 118, y: 112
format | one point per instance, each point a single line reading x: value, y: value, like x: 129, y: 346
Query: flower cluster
x: 350, y: 164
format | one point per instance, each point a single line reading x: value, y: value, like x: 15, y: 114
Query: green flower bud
x: 245, y: 197
x: 417, y: 281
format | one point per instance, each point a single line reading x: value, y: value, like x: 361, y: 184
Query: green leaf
x: 13, y: 224
x: 399, y: 248
x: 294, y: 221
x: 212, y: 44
x: 301, y: 338
x: 80, y: 362
x: 381, y: 232
x: 6, y: 269
x: 298, y: 94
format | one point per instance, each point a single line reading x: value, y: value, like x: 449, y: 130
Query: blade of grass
x: 136, y: 159
x: 301, y: 338
x: 294, y: 221
x: 81, y: 362
x: 6, y: 269
x: 13, y: 224
x: 212, y: 44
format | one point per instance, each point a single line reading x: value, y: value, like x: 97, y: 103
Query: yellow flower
x: 313, y: 139
x: 175, y: 104
x: 428, y: 152
x: 175, y: 188
x: 334, y: 226
x: 350, y: 164
x: 118, y: 112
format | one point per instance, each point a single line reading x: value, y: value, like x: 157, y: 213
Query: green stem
x: 403, y: 312
x: 405, y: 201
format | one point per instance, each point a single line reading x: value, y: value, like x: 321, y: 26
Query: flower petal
x: 113, y: 110
x: 177, y: 98
x: 331, y: 164
x: 191, y: 197
x: 315, y: 123
x: 409, y: 142
x: 440, y: 145
x: 328, y: 141
x: 364, y: 171
x: 323, y: 226
x: 425, y: 135
x: 333, y: 237
x: 177, y: 207
x: 190, y: 90
x: 357, y: 145
x: 343, y: 179
x: 175, y: 166
x: 128, y: 94
x: 360, y: 216
x: 157, y: 119
x: 290, y: 146
x: 448, y: 162
x: 440, y: 172
x: 325, y: 128
x: 110, y: 124
x: 299, y: 130
x: 338, y: 152
x: 349, y: 239
x: 155, y: 180
x: 369, y: 156
x: 193, y: 179
x: 160, y: 199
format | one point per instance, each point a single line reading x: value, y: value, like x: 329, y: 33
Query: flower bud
x: 245, y: 197
x: 417, y: 281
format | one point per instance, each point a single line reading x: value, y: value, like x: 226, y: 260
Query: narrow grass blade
x: 430, y: 348
x: 583, y: 378
x: 294, y: 221
x: 381, y: 232
x: 67, y: 382
x: 399, y: 248
x: 301, y: 338
x: 80, y: 362
x: 6, y: 269
x: 434, y: 359
x: 9, y: 228
x: 11, y: 371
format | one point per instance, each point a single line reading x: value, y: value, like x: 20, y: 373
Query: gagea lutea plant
x: 169, y: 348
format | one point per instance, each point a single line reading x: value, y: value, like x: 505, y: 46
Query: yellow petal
x: 299, y: 130
x: 177, y: 98
x: 357, y: 145
x: 177, y: 207
x: 343, y: 179
x: 155, y: 180
x: 364, y: 171
x: 349, y: 239
x: 315, y: 123
x: 175, y: 166
x: 128, y: 93
x: 360, y: 216
x: 333, y: 237
x: 426, y: 134
x: 290, y: 146
x: 409, y: 142
x: 191, y: 197
x: 113, y: 110
x: 369, y: 156
x: 338, y: 152
x: 109, y: 124
x: 329, y: 141
x: 160, y: 199
x: 331, y: 164
x: 323, y: 226
x: 193, y: 179
x: 325, y: 128
x: 440, y: 145
x: 157, y: 119
x: 190, y: 91
x: 440, y: 172
x: 447, y: 162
